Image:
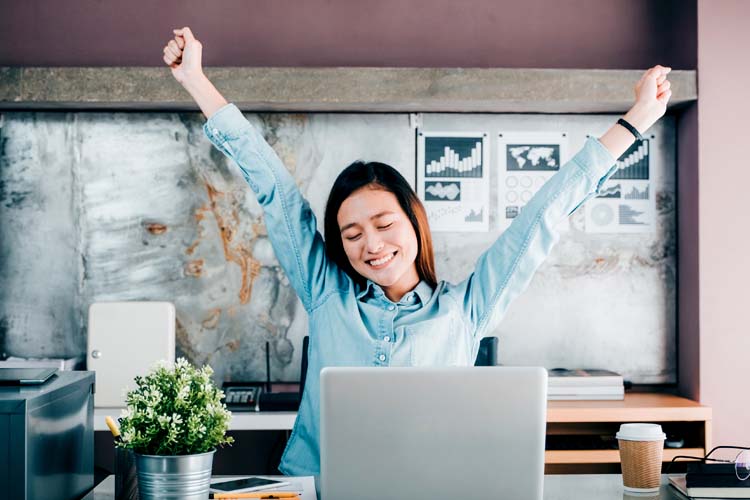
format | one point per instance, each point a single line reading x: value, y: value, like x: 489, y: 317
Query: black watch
x: 630, y: 128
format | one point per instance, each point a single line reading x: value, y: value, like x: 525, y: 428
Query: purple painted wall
x: 724, y: 261
x: 688, y: 244
x: 607, y: 34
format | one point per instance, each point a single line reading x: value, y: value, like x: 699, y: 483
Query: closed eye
x: 354, y: 238
x: 386, y: 226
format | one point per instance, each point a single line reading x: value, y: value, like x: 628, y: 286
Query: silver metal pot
x: 173, y: 477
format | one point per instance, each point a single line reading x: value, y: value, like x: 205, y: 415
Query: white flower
x: 160, y: 365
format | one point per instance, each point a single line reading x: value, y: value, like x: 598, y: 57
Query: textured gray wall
x: 135, y: 206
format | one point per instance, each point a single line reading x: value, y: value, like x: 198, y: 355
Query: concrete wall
x: 723, y: 109
x: 606, y: 34
x: 139, y: 206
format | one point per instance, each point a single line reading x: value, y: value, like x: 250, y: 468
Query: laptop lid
x: 25, y: 376
x: 433, y: 433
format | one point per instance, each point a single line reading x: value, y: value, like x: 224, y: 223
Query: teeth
x: 381, y: 261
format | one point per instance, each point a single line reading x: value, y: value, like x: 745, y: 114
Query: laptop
x: 25, y: 376
x: 432, y: 433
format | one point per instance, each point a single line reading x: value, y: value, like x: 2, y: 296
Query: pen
x: 113, y: 428
x: 257, y: 494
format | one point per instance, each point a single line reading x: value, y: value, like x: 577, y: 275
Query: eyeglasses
x: 741, y: 461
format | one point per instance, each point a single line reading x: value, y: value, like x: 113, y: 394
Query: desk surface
x: 106, y: 489
x: 556, y: 487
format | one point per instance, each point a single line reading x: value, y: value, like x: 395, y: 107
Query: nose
x: 374, y: 242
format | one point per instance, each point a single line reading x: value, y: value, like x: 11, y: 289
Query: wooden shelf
x: 636, y: 407
x: 587, y: 419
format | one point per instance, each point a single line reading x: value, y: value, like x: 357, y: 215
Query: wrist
x: 639, y: 117
x: 194, y: 82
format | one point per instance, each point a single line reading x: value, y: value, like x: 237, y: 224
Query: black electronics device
x: 25, y: 376
x: 260, y: 396
x: 705, y: 475
x: 242, y: 396
x: 246, y: 484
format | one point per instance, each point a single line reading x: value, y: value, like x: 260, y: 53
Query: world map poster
x: 526, y: 161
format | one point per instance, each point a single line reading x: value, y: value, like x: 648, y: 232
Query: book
x: 585, y: 397
x: 583, y: 378
x: 604, y: 390
x: 679, y: 482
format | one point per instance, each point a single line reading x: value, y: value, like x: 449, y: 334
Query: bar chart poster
x: 453, y: 180
x: 526, y: 161
x: 625, y: 203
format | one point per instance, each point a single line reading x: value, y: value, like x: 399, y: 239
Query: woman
x: 370, y: 289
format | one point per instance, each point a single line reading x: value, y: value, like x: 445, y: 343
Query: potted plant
x: 173, y: 423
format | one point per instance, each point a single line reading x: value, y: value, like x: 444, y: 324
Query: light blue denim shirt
x: 351, y: 326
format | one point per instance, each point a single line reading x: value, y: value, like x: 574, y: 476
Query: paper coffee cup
x: 641, y: 451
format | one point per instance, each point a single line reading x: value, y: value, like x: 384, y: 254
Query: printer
x: 47, y: 438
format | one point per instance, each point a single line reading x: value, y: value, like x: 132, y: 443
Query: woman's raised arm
x: 507, y: 267
x: 183, y: 55
x: 291, y: 224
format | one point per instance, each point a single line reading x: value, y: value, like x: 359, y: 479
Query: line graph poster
x: 526, y: 161
x: 625, y: 203
x: 453, y: 180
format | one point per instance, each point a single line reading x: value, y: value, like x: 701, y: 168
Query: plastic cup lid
x: 641, y: 432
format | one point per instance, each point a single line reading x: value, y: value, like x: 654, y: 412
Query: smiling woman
x: 376, y: 229
x: 370, y: 289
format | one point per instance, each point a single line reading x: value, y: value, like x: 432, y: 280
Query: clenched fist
x: 183, y: 55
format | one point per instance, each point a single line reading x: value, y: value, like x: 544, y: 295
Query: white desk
x: 556, y: 487
x: 241, y: 421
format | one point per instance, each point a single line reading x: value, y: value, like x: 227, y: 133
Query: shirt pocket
x: 439, y: 342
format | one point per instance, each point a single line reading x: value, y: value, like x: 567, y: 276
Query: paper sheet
x: 453, y: 180
x: 626, y: 203
x: 526, y: 161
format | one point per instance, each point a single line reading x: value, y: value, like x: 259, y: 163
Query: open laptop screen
x: 432, y: 433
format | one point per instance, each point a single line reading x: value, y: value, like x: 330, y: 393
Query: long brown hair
x: 378, y: 176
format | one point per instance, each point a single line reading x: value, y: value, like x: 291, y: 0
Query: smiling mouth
x: 381, y: 261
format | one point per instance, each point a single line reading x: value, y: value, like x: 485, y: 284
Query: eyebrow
x: 376, y: 216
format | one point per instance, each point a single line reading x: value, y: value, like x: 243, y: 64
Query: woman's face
x: 379, y: 240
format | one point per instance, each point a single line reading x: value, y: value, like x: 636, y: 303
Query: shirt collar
x: 370, y: 288
x: 423, y: 291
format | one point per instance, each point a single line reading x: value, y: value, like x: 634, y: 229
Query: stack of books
x: 584, y: 384
x: 710, y: 481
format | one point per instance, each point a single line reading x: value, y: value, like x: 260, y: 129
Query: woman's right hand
x: 183, y: 56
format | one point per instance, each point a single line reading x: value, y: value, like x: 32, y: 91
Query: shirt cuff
x: 226, y: 124
x: 595, y: 160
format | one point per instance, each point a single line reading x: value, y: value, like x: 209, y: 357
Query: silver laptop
x: 432, y: 433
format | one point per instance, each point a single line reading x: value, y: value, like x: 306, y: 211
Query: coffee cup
x: 641, y: 451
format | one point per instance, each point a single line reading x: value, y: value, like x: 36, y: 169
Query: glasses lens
x: 742, y: 465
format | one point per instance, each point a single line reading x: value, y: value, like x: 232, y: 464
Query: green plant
x: 175, y: 411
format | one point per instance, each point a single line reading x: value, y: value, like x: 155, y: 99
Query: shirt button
x: 381, y: 357
x: 387, y: 338
x: 215, y: 131
x: 391, y: 308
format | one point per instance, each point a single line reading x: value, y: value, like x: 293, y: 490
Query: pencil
x: 258, y: 494
x: 113, y: 428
